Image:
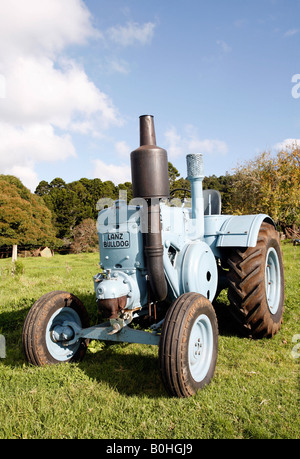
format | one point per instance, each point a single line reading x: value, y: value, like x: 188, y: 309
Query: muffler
x: 150, y: 181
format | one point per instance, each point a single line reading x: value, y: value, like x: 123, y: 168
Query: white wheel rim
x: 272, y: 280
x: 201, y: 345
x: 57, y: 350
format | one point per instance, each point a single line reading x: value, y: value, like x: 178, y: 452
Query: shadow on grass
x: 131, y: 369
x: 226, y: 323
x: 126, y: 371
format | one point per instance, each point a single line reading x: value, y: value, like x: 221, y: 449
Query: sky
x: 221, y: 78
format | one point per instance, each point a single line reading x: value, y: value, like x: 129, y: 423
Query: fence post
x: 14, y: 253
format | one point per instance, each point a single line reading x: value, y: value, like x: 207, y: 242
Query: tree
x: 24, y: 217
x: 71, y: 203
x: 67, y: 202
x: 127, y: 188
x: 269, y: 184
x: 43, y: 188
x: 173, y: 175
x: 85, y: 237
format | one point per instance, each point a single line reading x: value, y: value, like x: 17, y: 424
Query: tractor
x: 161, y: 268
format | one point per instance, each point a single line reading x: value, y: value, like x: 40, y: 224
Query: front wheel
x: 48, y: 312
x: 188, y: 345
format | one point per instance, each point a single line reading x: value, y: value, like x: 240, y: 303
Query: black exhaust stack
x: 150, y: 181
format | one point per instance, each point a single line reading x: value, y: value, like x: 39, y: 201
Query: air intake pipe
x: 150, y: 181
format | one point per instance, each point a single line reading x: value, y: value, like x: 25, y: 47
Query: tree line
x: 71, y: 203
x: 63, y: 214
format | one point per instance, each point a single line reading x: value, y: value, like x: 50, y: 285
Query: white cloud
x: 2, y: 87
x: 287, y: 144
x: 21, y: 148
x: 122, y: 148
x: 132, y: 33
x: 178, y: 145
x: 117, y: 174
x: 27, y: 175
x: 39, y: 27
x: 36, y: 142
x: 291, y: 32
x: 47, y: 95
x: 174, y: 142
x: 239, y: 23
x: 210, y: 146
x: 224, y: 46
x: 115, y: 65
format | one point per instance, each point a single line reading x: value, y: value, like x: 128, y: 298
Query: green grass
x: 116, y: 392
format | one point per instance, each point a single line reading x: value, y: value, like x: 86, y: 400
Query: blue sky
x: 216, y: 75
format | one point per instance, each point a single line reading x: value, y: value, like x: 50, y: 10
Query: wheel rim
x: 200, y: 347
x: 273, y: 281
x: 57, y: 350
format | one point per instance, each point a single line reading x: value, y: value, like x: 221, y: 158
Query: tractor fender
x: 241, y: 230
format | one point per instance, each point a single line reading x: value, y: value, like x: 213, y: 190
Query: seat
x: 212, y: 202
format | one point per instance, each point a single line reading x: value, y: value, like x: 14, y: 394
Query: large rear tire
x: 49, y: 311
x: 188, y: 345
x: 256, y: 285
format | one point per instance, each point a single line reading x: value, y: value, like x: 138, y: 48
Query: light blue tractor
x: 162, y: 266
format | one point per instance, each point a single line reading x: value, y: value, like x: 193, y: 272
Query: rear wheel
x: 256, y: 284
x: 49, y: 312
x: 188, y: 345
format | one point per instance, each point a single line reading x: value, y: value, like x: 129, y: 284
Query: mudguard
x: 241, y: 230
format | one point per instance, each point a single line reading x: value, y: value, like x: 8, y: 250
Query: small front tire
x: 49, y: 311
x: 188, y: 345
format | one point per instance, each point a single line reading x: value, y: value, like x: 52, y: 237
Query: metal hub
x: 199, y: 270
x: 200, y: 347
x: 61, y: 333
x: 197, y: 349
x: 59, y: 336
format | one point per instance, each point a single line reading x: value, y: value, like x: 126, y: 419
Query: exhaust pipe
x: 195, y: 174
x: 150, y: 181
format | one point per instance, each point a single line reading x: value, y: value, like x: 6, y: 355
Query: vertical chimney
x: 150, y: 180
x: 149, y: 164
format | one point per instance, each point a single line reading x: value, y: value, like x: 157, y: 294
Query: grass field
x: 116, y: 392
